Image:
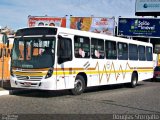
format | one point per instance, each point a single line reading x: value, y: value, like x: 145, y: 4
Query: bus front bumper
x: 43, y: 84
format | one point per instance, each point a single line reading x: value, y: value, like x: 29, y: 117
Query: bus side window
x: 149, y: 55
x: 111, y: 49
x: 97, y: 48
x: 122, y: 51
x: 133, y: 52
x: 141, y: 50
x: 81, y: 47
x: 64, y: 50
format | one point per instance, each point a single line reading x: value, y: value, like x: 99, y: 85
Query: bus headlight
x: 49, y: 73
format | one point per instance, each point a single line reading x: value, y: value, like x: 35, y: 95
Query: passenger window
x: 97, y: 48
x: 64, y: 50
x: 81, y: 47
x: 141, y: 50
x: 133, y: 52
x: 111, y: 50
x: 122, y: 51
x: 149, y: 53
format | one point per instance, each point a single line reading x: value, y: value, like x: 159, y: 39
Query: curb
x: 4, y: 92
x: 5, y: 89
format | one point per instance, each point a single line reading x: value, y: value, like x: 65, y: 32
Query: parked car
x: 156, y: 74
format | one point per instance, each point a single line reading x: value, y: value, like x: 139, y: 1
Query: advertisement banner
x: 147, y: 7
x: 139, y: 27
x: 93, y: 24
x: 46, y: 21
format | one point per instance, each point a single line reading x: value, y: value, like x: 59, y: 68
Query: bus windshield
x: 33, y: 52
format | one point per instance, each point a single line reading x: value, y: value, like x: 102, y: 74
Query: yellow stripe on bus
x: 97, y: 72
x: 29, y: 74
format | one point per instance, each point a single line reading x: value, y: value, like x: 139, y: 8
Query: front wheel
x: 79, y: 85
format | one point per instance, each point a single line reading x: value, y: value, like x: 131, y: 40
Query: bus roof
x: 68, y: 31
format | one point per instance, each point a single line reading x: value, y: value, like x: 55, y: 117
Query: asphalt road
x: 116, y: 99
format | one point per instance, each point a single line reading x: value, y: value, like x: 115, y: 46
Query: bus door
x: 64, y: 59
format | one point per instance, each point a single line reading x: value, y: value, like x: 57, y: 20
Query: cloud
x: 14, y: 13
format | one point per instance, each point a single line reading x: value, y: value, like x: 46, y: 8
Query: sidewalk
x: 4, y: 90
x: 7, y: 90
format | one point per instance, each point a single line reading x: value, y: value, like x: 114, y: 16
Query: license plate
x: 27, y: 84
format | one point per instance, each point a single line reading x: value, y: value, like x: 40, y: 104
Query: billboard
x: 101, y: 25
x: 46, y: 21
x: 147, y: 7
x: 139, y: 27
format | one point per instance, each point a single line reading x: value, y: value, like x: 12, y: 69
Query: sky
x: 14, y: 13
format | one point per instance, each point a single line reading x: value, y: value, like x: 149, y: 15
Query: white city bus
x: 54, y: 58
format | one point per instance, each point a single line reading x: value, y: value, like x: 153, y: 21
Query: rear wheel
x: 153, y: 79
x: 134, y: 80
x: 79, y: 85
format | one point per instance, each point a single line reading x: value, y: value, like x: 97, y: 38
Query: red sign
x: 46, y: 21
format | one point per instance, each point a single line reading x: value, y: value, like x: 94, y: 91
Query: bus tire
x: 12, y: 92
x: 79, y: 85
x: 134, y: 80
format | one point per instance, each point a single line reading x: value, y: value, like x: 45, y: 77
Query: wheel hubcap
x: 78, y: 85
x: 134, y: 81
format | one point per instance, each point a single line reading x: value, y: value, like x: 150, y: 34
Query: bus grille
x: 29, y: 78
